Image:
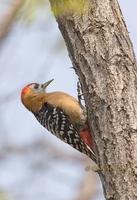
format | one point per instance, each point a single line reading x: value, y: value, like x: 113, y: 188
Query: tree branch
x: 102, y: 55
x: 8, y: 17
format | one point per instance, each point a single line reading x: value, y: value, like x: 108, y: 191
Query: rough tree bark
x: 102, y: 55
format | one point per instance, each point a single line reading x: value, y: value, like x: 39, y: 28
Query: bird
x: 61, y: 114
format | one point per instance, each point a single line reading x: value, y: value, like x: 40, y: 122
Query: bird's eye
x: 36, y: 86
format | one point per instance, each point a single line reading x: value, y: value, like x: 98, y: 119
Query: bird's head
x: 32, y: 90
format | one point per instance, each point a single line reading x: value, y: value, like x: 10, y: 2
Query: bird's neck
x: 34, y: 102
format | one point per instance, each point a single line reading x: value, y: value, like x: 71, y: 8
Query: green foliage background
x: 29, y: 8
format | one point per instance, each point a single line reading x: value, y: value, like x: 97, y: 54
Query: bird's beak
x: 44, y: 85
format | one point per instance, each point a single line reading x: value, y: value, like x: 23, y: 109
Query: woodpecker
x: 61, y: 114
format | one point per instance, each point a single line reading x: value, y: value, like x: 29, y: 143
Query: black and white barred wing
x: 58, y: 123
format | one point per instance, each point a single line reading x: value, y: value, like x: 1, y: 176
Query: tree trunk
x: 102, y: 55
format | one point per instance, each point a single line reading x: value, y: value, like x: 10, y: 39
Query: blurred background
x: 34, y: 165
